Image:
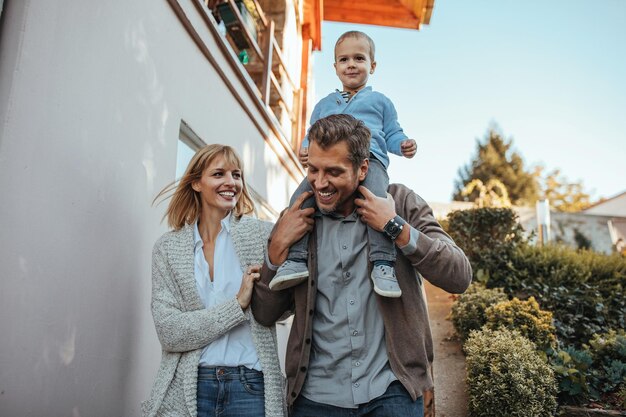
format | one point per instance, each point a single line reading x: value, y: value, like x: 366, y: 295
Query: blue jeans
x: 381, y: 247
x: 230, y: 392
x: 395, y: 402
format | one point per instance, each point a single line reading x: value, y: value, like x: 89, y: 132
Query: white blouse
x: 236, y: 347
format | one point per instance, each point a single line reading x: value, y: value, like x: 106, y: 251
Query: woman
x: 216, y: 358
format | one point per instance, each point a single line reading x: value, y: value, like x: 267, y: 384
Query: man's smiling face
x: 333, y: 177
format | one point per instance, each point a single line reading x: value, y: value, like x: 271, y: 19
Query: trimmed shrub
x: 468, y: 311
x: 525, y: 317
x: 506, y: 376
x: 488, y: 236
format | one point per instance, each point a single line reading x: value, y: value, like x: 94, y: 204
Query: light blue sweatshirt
x: 375, y: 110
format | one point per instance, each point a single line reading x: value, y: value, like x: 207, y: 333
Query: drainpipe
x: 543, y: 221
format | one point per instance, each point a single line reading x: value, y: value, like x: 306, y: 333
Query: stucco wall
x: 91, y: 99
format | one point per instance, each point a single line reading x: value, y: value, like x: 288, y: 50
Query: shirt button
x: 344, y: 247
x: 356, y: 385
x: 351, y: 302
x: 357, y: 363
x: 348, y: 274
x: 355, y: 332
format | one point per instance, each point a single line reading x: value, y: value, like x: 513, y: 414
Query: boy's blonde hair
x: 357, y: 35
x: 185, y: 205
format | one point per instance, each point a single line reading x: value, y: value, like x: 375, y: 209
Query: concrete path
x: 449, y: 366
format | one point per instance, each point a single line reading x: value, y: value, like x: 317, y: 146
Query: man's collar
x: 352, y: 217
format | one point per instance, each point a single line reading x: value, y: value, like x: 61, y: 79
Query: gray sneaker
x: 385, y: 282
x: 289, y: 274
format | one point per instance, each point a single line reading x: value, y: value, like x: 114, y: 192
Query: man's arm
x: 267, y: 305
x: 423, y: 241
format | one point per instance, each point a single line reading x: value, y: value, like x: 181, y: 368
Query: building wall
x: 615, y: 206
x: 91, y: 100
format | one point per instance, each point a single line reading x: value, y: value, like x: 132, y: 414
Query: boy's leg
x: 294, y: 270
x: 382, y: 249
x: 377, y: 181
x: 299, y: 250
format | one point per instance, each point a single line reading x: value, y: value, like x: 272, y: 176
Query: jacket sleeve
x: 434, y: 254
x: 182, y: 331
x: 394, y: 135
x: 269, y: 306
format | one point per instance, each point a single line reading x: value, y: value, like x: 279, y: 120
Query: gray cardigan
x: 184, y: 326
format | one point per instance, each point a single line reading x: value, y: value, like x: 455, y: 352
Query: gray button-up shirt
x: 348, y: 364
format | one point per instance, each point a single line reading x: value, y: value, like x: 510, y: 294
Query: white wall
x: 91, y: 99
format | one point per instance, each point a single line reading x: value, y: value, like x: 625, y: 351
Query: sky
x: 550, y: 75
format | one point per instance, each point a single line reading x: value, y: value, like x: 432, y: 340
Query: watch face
x: 392, y: 229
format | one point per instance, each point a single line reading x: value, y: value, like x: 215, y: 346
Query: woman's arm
x: 182, y: 331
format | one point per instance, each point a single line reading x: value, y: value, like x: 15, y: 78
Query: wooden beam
x: 393, y: 13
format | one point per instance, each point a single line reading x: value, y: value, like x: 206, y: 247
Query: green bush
x: 525, y: 317
x: 583, y: 289
x: 488, y: 236
x: 608, y: 372
x: 594, y: 372
x: 507, y: 376
x: 571, y: 367
x: 468, y: 311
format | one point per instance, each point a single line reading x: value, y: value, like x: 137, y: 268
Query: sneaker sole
x: 288, y: 281
x: 388, y: 294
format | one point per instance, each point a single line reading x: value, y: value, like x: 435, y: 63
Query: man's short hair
x: 337, y: 128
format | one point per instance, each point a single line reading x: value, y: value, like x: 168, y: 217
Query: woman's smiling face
x: 220, y: 185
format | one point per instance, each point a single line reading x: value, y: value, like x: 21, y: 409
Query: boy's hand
x: 304, y: 156
x: 375, y: 211
x: 408, y: 148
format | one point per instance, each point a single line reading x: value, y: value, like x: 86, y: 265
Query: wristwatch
x: 394, y: 227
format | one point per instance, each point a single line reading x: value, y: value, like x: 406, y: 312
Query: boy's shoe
x: 289, y: 274
x: 385, y: 282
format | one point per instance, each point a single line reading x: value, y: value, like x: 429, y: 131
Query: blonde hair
x: 185, y: 205
x: 357, y: 35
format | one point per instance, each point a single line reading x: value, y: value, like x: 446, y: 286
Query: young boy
x: 354, y: 63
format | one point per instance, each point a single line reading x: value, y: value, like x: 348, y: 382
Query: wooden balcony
x: 276, y: 86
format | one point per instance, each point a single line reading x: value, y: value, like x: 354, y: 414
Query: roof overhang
x: 406, y: 14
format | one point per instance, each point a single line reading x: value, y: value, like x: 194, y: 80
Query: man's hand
x: 292, y: 225
x: 304, y: 156
x: 375, y: 211
x: 408, y: 148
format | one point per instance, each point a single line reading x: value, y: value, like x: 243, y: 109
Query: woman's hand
x: 250, y: 276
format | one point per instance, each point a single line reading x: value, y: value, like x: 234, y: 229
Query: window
x: 188, y: 145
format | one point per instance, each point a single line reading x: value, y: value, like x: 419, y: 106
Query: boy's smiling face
x: 353, y: 63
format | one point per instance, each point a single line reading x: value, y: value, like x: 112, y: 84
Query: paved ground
x: 449, y: 366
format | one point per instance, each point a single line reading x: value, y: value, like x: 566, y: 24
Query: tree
x: 492, y: 194
x: 495, y: 159
x: 563, y: 195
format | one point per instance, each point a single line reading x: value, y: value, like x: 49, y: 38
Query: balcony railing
x: 275, y: 85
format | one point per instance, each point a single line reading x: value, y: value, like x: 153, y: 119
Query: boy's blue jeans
x: 395, y: 402
x: 381, y: 247
x: 230, y: 392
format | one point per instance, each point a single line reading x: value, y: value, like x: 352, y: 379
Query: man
x: 351, y: 352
